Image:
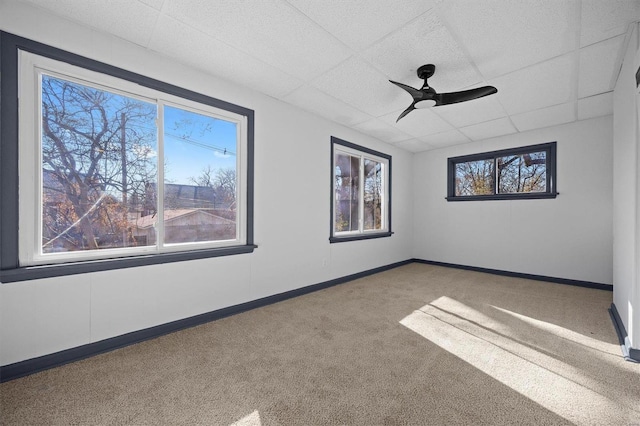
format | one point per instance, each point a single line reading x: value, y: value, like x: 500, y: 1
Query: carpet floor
x: 415, y: 345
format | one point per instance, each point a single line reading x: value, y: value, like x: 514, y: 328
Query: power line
x: 225, y: 151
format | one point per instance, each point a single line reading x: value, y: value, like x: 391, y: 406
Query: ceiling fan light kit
x: 427, y: 97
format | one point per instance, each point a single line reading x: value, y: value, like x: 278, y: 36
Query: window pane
x: 522, y: 173
x: 474, y: 178
x: 98, y: 156
x: 373, y: 171
x: 347, y: 187
x: 199, y: 177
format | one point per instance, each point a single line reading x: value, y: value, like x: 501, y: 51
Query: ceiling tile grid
x: 317, y: 101
x: 545, y: 117
x: 489, y: 129
x: 420, y: 42
x: 156, y: 4
x: 505, y: 36
x: 414, y: 145
x: 362, y: 86
x: 272, y: 31
x: 359, y: 23
x: 426, y: 122
x: 552, y: 61
x: 603, y: 19
x: 381, y: 130
x: 130, y: 20
x: 597, y: 66
x: 538, y: 86
x: 467, y: 113
x: 595, y: 106
x: 204, y: 52
x: 444, y: 139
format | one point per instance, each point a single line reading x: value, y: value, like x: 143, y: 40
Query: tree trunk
x: 82, y: 207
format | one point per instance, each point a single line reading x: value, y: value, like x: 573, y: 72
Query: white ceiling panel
x: 381, y: 130
x: 504, y: 36
x: 549, y: 83
x: 204, y: 52
x: 545, y: 117
x: 272, y: 31
x: 552, y: 61
x: 156, y: 4
x: 449, y: 138
x: 423, y: 41
x: 595, y: 106
x: 597, y: 67
x: 414, y: 145
x: 130, y: 20
x: 489, y: 129
x: 363, y: 87
x: 359, y: 23
x: 417, y: 123
x: 603, y: 19
x: 467, y: 113
x: 313, y: 100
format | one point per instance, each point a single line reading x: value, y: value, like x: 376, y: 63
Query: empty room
x: 319, y: 212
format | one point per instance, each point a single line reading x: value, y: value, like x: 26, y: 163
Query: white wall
x: 566, y: 237
x: 291, y: 226
x: 626, y: 292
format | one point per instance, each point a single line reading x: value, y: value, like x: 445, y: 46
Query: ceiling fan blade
x: 405, y: 112
x: 415, y: 93
x: 465, y: 95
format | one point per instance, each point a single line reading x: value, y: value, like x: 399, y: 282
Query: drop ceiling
x: 553, y: 61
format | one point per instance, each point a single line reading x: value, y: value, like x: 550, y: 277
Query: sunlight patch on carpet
x: 252, y: 419
x: 564, y: 333
x: 553, y: 384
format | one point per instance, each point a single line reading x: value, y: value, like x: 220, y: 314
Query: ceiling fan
x: 427, y: 96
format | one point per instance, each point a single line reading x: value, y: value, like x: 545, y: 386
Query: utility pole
x: 123, y: 136
x: 123, y: 155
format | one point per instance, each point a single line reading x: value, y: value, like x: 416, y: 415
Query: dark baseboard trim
x: 567, y: 281
x: 45, y: 362
x: 628, y: 352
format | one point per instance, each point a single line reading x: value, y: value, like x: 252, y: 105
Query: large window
x: 526, y: 172
x: 115, y: 169
x: 360, y: 192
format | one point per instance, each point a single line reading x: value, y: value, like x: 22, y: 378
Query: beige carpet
x: 420, y: 345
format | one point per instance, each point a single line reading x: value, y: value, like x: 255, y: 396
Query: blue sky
x: 192, y: 142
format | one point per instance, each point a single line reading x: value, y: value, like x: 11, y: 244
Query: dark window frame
x: 370, y: 234
x: 10, y: 269
x: 551, y: 173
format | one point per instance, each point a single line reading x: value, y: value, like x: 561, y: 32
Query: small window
x: 519, y: 173
x: 114, y: 169
x: 360, y: 192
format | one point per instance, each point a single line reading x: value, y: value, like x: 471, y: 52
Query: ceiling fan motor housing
x: 426, y: 71
x: 427, y: 97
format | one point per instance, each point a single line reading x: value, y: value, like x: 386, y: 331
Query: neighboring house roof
x: 176, y: 215
x: 187, y: 196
